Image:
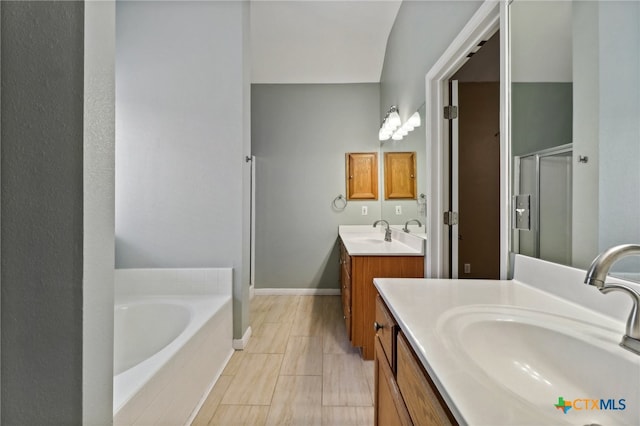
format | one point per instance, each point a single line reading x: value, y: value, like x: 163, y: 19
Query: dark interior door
x: 479, y: 180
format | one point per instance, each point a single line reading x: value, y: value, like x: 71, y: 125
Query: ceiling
x: 320, y: 41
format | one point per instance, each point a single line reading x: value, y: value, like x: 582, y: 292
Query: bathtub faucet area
x: 596, y: 276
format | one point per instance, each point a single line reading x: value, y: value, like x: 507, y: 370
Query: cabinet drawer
x: 423, y: 401
x: 386, y: 330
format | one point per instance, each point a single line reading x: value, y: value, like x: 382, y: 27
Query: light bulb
x: 394, y: 120
x: 415, y: 120
x: 383, y: 135
x: 397, y: 136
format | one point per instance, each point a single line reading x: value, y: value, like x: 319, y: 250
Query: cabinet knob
x: 377, y: 326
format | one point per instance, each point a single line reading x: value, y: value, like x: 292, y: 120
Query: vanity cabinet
x: 345, y: 287
x: 359, y: 293
x: 404, y: 394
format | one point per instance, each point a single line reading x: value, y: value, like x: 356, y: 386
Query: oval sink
x: 370, y: 240
x: 541, y: 357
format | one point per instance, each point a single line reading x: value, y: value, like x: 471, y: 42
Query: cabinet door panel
x: 386, y: 330
x: 400, y: 175
x: 389, y: 408
x: 421, y: 397
x: 362, y: 175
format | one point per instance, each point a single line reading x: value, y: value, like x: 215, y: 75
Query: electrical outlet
x: 398, y: 209
x: 365, y: 211
x: 467, y: 268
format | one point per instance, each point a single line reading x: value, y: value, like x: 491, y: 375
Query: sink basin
x: 541, y: 357
x: 369, y: 240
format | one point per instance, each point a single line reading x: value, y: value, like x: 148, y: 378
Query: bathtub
x: 172, y: 339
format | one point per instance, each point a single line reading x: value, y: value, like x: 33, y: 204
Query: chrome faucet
x: 387, y: 232
x: 596, y: 276
x: 406, y: 229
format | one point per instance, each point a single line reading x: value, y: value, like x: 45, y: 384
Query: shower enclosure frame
x: 534, y: 210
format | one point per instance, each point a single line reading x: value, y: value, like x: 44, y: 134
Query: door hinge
x: 450, y: 112
x: 450, y: 218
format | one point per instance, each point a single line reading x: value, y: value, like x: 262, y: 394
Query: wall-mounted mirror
x: 398, y: 210
x: 575, y: 68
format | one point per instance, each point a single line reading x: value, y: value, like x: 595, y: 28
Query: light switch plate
x: 398, y: 209
x: 365, y: 211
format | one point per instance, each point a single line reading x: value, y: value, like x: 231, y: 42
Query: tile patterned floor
x: 298, y: 369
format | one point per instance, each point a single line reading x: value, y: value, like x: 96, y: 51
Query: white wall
x: 542, y: 32
x: 585, y: 132
x: 181, y: 138
x: 99, y: 188
x: 619, y: 144
x: 422, y: 32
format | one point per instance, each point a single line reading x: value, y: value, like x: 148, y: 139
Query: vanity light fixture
x: 390, y: 124
x: 399, y: 131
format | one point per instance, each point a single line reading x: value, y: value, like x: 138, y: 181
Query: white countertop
x: 423, y: 307
x: 365, y: 240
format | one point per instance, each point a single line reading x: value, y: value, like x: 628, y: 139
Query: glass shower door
x: 547, y: 177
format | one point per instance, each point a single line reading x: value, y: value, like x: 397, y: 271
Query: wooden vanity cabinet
x: 359, y: 293
x: 403, y: 388
x: 345, y: 287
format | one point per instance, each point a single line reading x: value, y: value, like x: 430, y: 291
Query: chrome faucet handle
x: 631, y: 339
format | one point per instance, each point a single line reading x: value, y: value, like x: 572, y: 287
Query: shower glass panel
x: 547, y: 177
x: 555, y: 208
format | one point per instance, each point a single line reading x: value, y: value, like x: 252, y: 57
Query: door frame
x: 489, y: 18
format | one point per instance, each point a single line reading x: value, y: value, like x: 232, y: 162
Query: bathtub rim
x: 203, y: 307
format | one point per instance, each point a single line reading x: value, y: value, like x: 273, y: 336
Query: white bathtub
x: 172, y: 338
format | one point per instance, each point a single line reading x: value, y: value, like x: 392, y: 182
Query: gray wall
x: 181, y: 137
x: 422, y: 32
x: 541, y: 116
x: 42, y: 212
x: 300, y: 134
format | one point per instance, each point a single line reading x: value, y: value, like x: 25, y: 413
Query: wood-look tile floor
x: 298, y: 369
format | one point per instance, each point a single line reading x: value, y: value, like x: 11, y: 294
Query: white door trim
x: 491, y: 16
x: 455, y: 180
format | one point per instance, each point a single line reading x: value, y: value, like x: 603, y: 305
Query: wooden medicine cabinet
x: 362, y: 175
x: 400, y: 176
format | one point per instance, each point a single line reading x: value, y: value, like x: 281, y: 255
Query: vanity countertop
x: 365, y: 240
x: 475, y: 368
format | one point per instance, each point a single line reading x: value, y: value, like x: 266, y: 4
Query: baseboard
x: 297, y: 291
x: 240, y: 344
